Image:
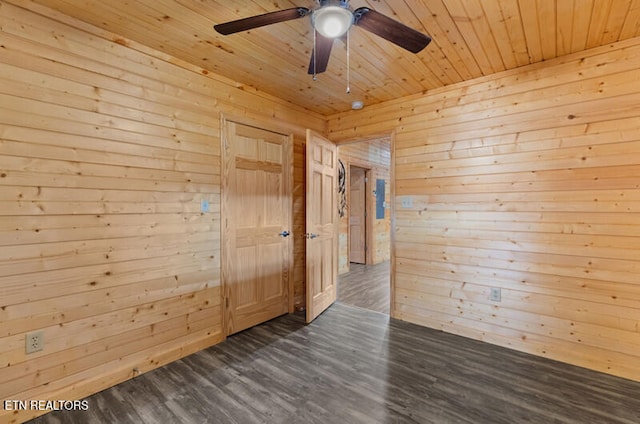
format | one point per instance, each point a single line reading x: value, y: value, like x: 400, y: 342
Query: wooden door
x: 322, y: 224
x: 256, y: 221
x: 357, y: 215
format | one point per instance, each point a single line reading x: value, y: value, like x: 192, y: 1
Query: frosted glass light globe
x: 332, y: 21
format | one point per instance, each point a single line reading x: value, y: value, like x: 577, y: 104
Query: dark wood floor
x: 357, y: 366
x: 366, y: 286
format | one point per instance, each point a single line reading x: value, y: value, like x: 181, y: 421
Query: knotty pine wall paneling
x: 107, y: 149
x: 527, y: 181
x: 374, y: 155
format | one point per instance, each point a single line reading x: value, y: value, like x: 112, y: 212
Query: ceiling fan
x: 331, y: 20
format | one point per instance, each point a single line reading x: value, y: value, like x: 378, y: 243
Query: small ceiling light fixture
x: 333, y: 19
x: 357, y: 105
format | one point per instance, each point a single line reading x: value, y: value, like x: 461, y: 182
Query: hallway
x: 366, y: 286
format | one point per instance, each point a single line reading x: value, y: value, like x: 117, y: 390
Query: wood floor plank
x: 357, y: 366
x: 366, y: 286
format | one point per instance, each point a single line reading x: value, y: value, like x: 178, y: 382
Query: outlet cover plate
x: 495, y: 294
x: 407, y: 202
x: 34, y: 342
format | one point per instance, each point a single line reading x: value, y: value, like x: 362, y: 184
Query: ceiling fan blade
x: 320, y: 55
x: 261, y: 20
x: 391, y: 30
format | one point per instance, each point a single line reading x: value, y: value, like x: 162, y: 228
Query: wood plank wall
x: 527, y: 181
x: 374, y: 155
x: 106, y: 151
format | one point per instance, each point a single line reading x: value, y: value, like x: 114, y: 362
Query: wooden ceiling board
x: 615, y: 23
x: 453, y: 48
x: 471, y: 38
x: 515, y: 30
x: 631, y: 27
x: 564, y: 29
x: 582, y: 11
x: 497, y: 25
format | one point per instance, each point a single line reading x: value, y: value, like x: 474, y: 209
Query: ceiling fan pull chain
x: 348, y: 63
x: 315, y: 47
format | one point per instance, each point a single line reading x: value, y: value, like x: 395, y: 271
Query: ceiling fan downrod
x: 341, y: 3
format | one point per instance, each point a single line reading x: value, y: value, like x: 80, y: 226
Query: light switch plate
x: 407, y: 202
x: 204, y: 205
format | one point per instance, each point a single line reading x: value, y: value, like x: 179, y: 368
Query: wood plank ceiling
x: 471, y: 38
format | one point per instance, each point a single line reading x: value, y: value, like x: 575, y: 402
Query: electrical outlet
x: 407, y: 202
x: 495, y: 294
x: 34, y: 342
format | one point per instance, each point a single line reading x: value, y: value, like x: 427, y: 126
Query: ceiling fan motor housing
x: 340, y: 3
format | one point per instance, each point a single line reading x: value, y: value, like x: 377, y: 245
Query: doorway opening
x: 358, y: 210
x: 365, y: 226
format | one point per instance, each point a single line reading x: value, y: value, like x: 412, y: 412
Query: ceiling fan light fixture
x: 332, y: 21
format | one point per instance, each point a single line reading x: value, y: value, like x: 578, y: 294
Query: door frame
x: 267, y: 125
x: 392, y: 195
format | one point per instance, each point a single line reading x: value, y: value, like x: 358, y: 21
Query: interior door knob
x: 311, y: 235
x: 285, y: 233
